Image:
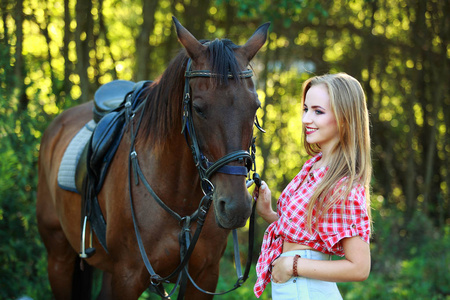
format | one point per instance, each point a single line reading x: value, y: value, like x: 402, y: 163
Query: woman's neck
x: 323, y: 161
x: 326, y: 156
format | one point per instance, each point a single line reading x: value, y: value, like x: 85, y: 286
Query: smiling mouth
x: 310, y: 130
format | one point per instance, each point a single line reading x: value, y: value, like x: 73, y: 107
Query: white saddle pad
x: 66, y: 174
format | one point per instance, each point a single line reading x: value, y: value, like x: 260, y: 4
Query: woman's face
x: 318, y: 118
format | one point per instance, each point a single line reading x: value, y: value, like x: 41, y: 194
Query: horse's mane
x: 163, y: 107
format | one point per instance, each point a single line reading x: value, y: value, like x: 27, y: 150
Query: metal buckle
x: 204, y: 188
x: 155, y: 280
x: 185, y: 222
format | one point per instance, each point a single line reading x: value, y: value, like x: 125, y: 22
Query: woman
x: 325, y: 209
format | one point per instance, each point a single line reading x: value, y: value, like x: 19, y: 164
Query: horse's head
x: 223, y: 109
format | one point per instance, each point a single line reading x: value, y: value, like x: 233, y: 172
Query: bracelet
x: 294, y: 273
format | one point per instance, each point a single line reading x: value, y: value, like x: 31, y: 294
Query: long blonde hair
x: 351, y: 156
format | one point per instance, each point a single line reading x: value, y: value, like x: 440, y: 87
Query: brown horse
x: 222, y: 113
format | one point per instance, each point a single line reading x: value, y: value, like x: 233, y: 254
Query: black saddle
x: 112, y: 102
x: 110, y: 96
x: 109, y: 114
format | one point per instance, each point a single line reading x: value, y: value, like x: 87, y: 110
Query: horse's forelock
x: 222, y: 60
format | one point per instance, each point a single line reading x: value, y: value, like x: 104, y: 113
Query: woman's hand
x: 263, y: 198
x: 282, y: 269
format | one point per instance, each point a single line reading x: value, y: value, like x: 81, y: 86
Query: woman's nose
x: 306, y: 119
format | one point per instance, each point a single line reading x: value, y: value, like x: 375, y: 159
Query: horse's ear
x: 193, y: 47
x: 255, y: 42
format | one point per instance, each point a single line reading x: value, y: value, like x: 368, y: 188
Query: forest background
x: 54, y: 54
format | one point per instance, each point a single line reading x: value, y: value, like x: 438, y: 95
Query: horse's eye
x: 199, y: 111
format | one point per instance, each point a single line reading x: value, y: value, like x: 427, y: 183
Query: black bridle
x: 205, y: 169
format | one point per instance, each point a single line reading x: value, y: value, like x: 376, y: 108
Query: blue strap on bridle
x: 231, y: 170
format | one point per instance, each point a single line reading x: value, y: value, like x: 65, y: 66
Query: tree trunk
x: 46, y: 34
x: 83, y: 35
x: 430, y: 169
x: 410, y: 180
x: 196, y: 14
x: 19, y: 66
x: 68, y: 66
x: 444, y: 207
x: 143, y: 48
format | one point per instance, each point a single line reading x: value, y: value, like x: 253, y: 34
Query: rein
x: 205, y: 169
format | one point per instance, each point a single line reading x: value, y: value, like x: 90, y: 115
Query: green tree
x: 55, y: 53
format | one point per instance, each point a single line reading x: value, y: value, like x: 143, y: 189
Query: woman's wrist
x: 295, y: 266
x: 269, y: 216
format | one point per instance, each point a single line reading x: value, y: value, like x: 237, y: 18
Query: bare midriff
x: 293, y: 246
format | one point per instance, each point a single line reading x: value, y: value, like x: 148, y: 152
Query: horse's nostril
x: 222, y: 205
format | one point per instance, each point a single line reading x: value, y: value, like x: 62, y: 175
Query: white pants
x: 306, y: 288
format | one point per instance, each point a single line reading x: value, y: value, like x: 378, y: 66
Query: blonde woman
x: 325, y: 209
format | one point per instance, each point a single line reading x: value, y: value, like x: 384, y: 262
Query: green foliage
x: 23, y: 262
x: 285, y: 12
x: 409, y: 267
x: 397, y: 49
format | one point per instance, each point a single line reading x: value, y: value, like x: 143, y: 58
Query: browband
x: 207, y: 73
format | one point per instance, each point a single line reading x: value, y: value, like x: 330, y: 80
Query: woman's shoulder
x: 350, y: 204
x: 357, y: 193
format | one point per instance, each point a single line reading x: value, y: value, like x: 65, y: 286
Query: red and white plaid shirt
x: 325, y: 236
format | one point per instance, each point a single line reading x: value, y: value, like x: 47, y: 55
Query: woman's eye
x: 318, y: 112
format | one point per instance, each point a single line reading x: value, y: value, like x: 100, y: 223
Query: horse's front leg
x: 206, y: 279
x: 106, y: 290
x: 128, y: 283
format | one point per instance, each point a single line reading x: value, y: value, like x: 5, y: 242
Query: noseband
x: 205, y: 169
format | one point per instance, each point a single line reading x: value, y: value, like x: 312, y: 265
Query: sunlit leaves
x: 396, y: 50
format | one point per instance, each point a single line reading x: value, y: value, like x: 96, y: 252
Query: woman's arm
x: 263, y: 198
x: 355, y: 266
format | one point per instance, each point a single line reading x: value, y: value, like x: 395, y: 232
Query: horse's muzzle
x: 232, y: 212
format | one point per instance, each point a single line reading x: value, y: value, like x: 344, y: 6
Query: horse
x: 206, y: 93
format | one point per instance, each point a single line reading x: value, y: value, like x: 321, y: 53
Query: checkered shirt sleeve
x: 345, y: 219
